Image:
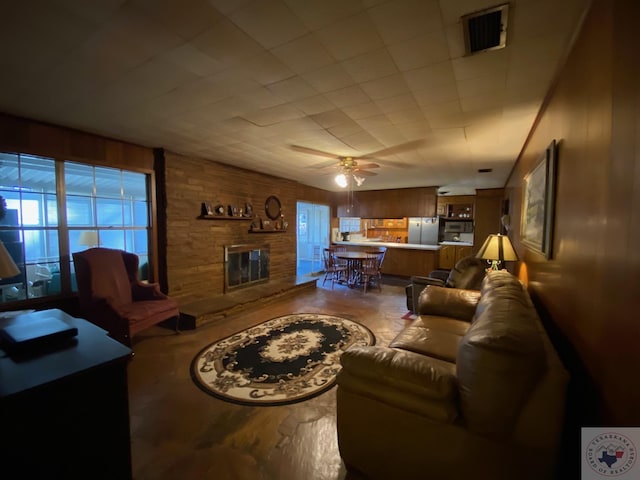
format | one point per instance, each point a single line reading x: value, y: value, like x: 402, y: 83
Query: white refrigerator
x: 423, y: 230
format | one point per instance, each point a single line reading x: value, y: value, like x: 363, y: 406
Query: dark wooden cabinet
x: 462, y: 252
x: 447, y: 257
x: 452, y: 254
x: 392, y: 203
x: 404, y: 262
x: 456, y: 206
x: 64, y: 412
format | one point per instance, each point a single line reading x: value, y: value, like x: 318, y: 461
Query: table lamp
x: 89, y: 238
x: 497, y: 249
x: 8, y: 268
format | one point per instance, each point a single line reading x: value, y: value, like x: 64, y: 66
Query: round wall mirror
x: 273, y: 208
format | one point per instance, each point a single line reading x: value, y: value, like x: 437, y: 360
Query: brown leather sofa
x: 471, y: 389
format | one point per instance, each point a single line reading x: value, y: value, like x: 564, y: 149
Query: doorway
x: 313, y: 236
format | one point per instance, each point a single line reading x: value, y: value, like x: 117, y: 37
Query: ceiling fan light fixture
x: 341, y: 180
x: 359, y: 180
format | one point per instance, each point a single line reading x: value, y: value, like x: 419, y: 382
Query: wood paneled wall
x: 195, y: 247
x: 27, y: 136
x: 590, y: 285
x: 487, y: 213
x: 21, y: 135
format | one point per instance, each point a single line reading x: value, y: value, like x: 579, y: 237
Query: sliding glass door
x: 312, y: 231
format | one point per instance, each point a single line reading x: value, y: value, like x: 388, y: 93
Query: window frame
x: 64, y: 259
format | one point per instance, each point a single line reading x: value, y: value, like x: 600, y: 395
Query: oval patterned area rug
x: 283, y: 360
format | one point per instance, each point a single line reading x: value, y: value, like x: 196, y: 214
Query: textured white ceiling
x: 241, y: 82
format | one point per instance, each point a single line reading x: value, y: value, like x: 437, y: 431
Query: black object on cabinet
x: 64, y: 410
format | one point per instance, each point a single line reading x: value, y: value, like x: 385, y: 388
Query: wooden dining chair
x: 332, y: 269
x: 337, y: 249
x: 370, y: 270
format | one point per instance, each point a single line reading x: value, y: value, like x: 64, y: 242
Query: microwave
x: 458, y: 227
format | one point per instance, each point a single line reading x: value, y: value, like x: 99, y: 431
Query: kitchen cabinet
x: 447, y: 258
x: 401, y: 261
x: 395, y: 223
x: 462, y: 252
x: 452, y: 254
x: 389, y: 229
x: 456, y: 206
x: 406, y: 262
x: 391, y: 203
x: 461, y: 210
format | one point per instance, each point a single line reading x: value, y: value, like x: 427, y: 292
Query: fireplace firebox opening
x: 245, y: 265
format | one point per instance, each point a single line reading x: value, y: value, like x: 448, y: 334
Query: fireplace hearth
x: 245, y: 265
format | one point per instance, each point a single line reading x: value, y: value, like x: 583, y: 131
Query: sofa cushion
x: 448, y: 302
x: 445, y: 324
x: 431, y: 342
x: 138, y: 312
x: 402, y: 370
x: 500, y: 358
x: 467, y: 273
x: 402, y: 379
x: 509, y: 288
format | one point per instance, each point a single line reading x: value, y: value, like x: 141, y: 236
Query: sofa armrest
x: 418, y: 284
x: 448, y: 302
x: 419, y: 280
x: 402, y: 379
x: 440, y: 274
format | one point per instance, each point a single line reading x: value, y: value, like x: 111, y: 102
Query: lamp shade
x: 497, y: 248
x: 8, y: 268
x: 88, y: 238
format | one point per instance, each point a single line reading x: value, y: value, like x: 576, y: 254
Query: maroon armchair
x: 112, y: 297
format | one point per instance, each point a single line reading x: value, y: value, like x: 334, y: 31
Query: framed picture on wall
x: 206, y: 209
x: 538, y: 203
x: 248, y: 210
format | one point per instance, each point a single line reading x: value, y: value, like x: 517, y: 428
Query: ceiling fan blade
x: 327, y: 164
x: 402, y: 147
x: 313, y: 151
x: 387, y: 162
x: 368, y: 165
x: 365, y: 173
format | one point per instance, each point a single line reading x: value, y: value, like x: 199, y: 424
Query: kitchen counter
x: 458, y: 244
x: 401, y: 259
x: 406, y: 246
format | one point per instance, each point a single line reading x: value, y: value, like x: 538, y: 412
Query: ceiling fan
x: 352, y: 168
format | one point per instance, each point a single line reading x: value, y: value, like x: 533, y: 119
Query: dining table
x: 354, y: 261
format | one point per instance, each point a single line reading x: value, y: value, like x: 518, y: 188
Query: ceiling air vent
x: 486, y: 30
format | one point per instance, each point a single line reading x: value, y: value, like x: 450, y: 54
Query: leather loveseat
x: 471, y: 389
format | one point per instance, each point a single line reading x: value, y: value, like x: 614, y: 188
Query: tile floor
x: 180, y: 432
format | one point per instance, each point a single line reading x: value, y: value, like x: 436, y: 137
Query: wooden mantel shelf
x: 267, y: 231
x: 223, y: 217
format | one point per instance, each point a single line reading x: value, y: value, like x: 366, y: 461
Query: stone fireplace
x: 245, y: 265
